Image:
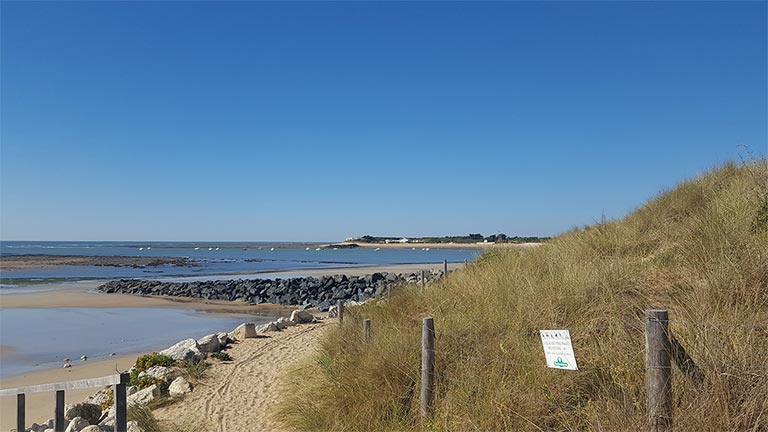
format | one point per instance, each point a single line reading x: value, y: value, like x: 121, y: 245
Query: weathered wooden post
x: 21, y: 412
x: 340, y: 310
x: 121, y: 403
x: 445, y: 268
x: 58, y: 414
x: 658, y: 370
x: 423, y: 279
x: 427, y: 365
x: 367, y: 329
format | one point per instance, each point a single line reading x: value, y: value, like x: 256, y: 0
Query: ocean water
x: 42, y: 338
x: 207, y: 260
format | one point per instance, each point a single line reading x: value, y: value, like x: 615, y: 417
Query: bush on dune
x: 698, y: 250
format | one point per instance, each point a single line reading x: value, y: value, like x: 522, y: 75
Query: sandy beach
x: 40, y: 405
x: 240, y: 395
x: 260, y: 359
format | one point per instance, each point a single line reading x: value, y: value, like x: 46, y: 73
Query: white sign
x: 558, y: 349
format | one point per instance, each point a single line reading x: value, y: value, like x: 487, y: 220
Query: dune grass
x: 699, y: 250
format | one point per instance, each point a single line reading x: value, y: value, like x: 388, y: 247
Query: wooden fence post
x: 445, y: 268
x: 121, y: 403
x: 21, y: 412
x: 58, y: 414
x: 423, y: 279
x: 367, y: 329
x: 427, y: 365
x: 658, y: 370
x: 340, y: 310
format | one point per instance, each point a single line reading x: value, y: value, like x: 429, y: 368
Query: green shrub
x: 145, y: 362
x: 222, y: 356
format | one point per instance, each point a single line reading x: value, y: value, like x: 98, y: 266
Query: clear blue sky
x: 316, y: 121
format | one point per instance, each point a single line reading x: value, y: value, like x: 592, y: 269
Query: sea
x: 34, y: 339
x: 211, y: 259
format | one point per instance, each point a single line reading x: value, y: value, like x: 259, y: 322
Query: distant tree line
x: 470, y: 238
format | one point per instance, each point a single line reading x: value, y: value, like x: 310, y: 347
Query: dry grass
x: 146, y: 420
x: 696, y: 251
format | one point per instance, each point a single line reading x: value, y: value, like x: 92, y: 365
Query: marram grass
x: 699, y: 250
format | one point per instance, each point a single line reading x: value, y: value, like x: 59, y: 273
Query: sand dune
x: 240, y: 395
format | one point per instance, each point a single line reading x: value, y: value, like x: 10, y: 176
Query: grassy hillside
x: 700, y: 251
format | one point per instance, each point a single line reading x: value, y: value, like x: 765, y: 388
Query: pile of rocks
x: 319, y: 292
x: 88, y: 416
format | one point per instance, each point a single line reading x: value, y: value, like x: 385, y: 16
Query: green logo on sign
x: 560, y: 362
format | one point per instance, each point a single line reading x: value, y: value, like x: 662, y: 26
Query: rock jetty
x: 319, y: 292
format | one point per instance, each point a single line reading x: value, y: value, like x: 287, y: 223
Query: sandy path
x: 240, y: 395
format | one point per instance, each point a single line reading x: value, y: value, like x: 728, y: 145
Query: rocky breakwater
x: 319, y: 292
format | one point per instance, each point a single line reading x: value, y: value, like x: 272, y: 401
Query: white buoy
x: 426, y: 249
x: 272, y: 249
x: 148, y: 248
x: 217, y: 248
x: 197, y: 248
x: 317, y: 249
x: 141, y: 248
x: 210, y: 248
x: 307, y: 248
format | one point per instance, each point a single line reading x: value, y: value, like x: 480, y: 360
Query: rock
x: 223, y: 338
x: 99, y: 398
x: 179, y: 387
x: 35, y: 427
x: 131, y: 390
x: 269, y: 327
x: 77, y: 424
x: 301, y: 317
x: 209, y: 343
x: 333, y: 312
x: 88, y: 411
x: 142, y: 397
x: 283, y: 322
x: 158, y: 372
x: 186, y: 350
x: 92, y: 428
x: 133, y: 426
x: 244, y: 331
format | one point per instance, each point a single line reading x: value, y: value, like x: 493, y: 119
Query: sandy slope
x: 239, y: 395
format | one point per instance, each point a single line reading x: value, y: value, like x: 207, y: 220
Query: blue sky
x: 316, y: 121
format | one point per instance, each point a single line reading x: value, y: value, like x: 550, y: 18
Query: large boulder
x: 223, y: 338
x: 77, y: 424
x: 186, y: 350
x: 101, y: 397
x: 283, y: 322
x: 179, y: 387
x: 158, y: 372
x: 143, y: 397
x: 301, y: 317
x: 92, y: 428
x: 268, y: 327
x: 87, y: 411
x: 244, y: 331
x: 209, y: 343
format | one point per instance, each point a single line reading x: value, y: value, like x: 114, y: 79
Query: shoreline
x: 81, y: 295
x: 440, y: 245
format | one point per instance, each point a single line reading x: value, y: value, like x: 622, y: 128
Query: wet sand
x: 40, y: 406
x: 29, y: 262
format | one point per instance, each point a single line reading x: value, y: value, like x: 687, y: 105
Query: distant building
x: 403, y: 240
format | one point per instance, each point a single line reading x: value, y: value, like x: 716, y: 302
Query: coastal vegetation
x: 699, y: 250
x: 467, y: 239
